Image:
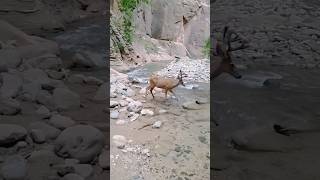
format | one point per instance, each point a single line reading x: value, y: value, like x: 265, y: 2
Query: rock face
x: 10, y: 133
x: 81, y: 142
x: 166, y: 29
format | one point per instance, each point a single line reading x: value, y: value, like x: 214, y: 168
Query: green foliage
x: 206, y: 48
x: 127, y: 7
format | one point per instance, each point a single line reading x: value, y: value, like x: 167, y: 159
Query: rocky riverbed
x: 52, y: 107
x: 159, y: 138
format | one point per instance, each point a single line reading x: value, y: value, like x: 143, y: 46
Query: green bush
x: 206, y: 48
x: 127, y: 7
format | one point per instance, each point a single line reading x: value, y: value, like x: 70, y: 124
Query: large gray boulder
x: 9, y: 106
x: 64, y: 99
x: 46, y: 61
x: 49, y: 132
x: 9, y: 58
x: 11, y: 85
x: 82, y: 142
x: 11, y: 133
x: 14, y: 168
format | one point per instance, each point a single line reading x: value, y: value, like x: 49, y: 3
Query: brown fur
x: 168, y: 84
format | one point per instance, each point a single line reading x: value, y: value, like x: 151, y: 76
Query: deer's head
x: 223, y: 51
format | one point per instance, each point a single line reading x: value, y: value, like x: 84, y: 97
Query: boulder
x: 14, y: 168
x: 11, y: 133
x: 77, y: 78
x: 49, y: 132
x: 88, y: 59
x: 120, y: 141
x: 45, y: 98
x: 9, y: 106
x: 61, y: 122
x: 46, y: 61
x: 64, y: 99
x: 104, y: 159
x: 101, y: 94
x: 135, y: 106
x: 72, y: 176
x: 35, y: 76
x: 9, y: 58
x: 30, y: 91
x: 43, y: 112
x: 82, y: 142
x: 11, y: 85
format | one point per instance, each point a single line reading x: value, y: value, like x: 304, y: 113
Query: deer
x: 168, y: 84
x: 222, y: 62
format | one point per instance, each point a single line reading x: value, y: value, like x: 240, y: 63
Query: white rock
x: 135, y: 106
x: 162, y: 111
x: 134, y: 117
x: 120, y: 141
x: 114, y: 104
x: 146, y: 112
x: 121, y: 122
x: 114, y: 114
x: 123, y: 103
x: 157, y: 124
x: 129, y: 92
x: 143, y: 91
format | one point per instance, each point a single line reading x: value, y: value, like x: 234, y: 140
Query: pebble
x: 162, y: 111
x: 114, y: 114
x: 135, y: 106
x: 157, y: 124
x: 120, y: 141
x: 38, y: 136
x: 134, y: 117
x: 146, y: 112
x: 123, y: 103
x: 121, y: 122
x: 114, y: 104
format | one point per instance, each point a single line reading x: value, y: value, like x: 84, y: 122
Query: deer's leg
x: 174, y: 94
x: 166, y: 93
x: 151, y: 91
